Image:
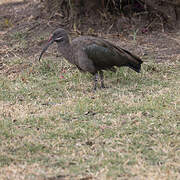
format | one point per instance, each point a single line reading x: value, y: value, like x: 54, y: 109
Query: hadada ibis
x: 93, y: 54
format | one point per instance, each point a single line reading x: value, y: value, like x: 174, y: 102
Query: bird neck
x: 67, y: 51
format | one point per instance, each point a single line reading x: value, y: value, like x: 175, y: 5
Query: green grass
x: 54, y: 126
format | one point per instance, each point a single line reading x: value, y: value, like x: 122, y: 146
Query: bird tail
x: 134, y: 62
x: 135, y: 65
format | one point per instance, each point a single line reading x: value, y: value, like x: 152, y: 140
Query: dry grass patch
x: 53, y: 126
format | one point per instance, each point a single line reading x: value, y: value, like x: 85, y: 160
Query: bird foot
x: 94, y: 88
x: 104, y: 87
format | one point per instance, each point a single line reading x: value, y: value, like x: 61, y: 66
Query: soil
x: 25, y: 27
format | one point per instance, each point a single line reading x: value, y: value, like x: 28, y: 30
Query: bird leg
x: 102, y: 79
x: 95, y: 81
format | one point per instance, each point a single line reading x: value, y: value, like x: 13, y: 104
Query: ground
x: 53, y: 126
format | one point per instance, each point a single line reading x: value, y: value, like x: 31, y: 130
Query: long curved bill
x: 46, y: 47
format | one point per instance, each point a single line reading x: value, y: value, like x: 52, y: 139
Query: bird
x: 92, y: 54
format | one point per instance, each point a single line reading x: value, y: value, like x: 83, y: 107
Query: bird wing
x: 123, y: 52
x: 106, y: 55
x: 101, y: 56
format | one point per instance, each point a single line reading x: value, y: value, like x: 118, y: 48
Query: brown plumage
x: 92, y: 54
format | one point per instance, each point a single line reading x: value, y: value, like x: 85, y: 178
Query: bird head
x: 59, y: 36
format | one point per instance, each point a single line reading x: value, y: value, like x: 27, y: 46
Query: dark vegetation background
x: 149, y: 11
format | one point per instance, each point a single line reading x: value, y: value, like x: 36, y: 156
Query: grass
x: 52, y: 123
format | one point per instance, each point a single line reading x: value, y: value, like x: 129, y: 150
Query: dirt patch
x: 25, y: 28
